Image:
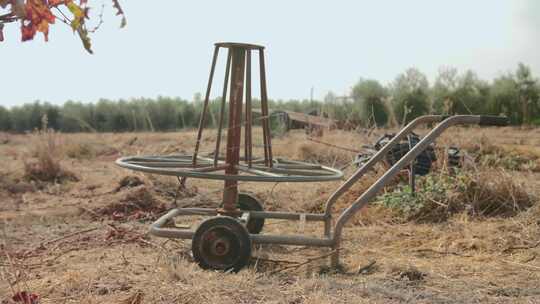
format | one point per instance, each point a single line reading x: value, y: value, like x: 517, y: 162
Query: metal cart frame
x: 332, y: 237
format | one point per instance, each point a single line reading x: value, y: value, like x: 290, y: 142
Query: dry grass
x: 468, y: 257
x: 45, y: 166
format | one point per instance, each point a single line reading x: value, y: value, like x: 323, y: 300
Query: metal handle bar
x: 369, y: 194
x: 372, y: 161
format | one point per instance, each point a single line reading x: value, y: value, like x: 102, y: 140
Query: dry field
x: 82, y: 238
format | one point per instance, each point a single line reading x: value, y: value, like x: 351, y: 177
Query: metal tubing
x: 157, y: 228
x: 248, y: 122
x: 370, y: 193
x: 367, y: 166
x: 222, y: 109
x: 205, y: 106
x: 264, y: 109
x: 286, y: 215
x: 298, y: 240
x: 125, y: 162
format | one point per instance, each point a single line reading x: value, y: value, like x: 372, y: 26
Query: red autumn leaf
x: 36, y: 16
x: 37, y: 19
x: 26, y: 298
x: 57, y: 2
x: 28, y: 32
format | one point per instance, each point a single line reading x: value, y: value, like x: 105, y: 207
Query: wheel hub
x: 220, y: 247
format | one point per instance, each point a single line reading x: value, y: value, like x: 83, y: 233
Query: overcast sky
x: 166, y: 47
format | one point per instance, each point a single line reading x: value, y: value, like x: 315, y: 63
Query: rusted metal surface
x: 232, y: 154
x: 205, y: 105
x: 264, y: 108
x: 222, y: 110
x: 248, y: 157
x: 228, y: 168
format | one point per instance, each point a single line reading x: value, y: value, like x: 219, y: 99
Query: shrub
x: 46, y: 167
x: 482, y: 194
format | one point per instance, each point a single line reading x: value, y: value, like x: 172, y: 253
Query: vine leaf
x: 36, y: 16
x: 83, y: 34
x: 78, y: 15
x: 120, y: 11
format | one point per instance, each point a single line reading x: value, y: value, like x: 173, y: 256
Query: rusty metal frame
x: 332, y: 239
x: 269, y: 169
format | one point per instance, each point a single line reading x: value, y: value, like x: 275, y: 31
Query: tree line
x: 514, y: 94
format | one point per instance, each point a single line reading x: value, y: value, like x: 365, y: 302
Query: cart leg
x: 334, y: 258
x: 327, y: 225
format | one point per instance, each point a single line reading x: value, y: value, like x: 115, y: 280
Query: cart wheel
x: 247, y: 202
x: 221, y: 243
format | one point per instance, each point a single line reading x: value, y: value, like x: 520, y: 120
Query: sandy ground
x: 77, y: 242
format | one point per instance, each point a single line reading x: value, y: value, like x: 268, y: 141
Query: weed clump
x: 47, y: 153
x: 137, y: 203
x: 129, y: 181
x: 479, y: 194
x: 80, y: 151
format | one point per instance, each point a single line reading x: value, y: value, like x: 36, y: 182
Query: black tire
x: 247, y: 202
x: 221, y: 243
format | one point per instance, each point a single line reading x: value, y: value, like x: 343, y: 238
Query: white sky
x: 167, y: 45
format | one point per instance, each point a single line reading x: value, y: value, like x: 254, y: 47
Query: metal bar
x: 412, y: 174
x: 286, y: 215
x: 368, y: 165
x: 205, y: 105
x: 370, y: 193
x: 256, y: 172
x: 248, y: 121
x: 232, y: 156
x: 298, y: 240
x: 157, y: 227
x: 264, y: 109
x: 222, y: 110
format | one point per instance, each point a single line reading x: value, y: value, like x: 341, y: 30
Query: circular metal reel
x: 182, y: 165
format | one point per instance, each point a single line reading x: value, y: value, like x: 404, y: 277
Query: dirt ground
x: 84, y: 239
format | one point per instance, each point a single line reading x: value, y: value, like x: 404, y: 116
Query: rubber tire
x: 241, y: 237
x: 247, y: 202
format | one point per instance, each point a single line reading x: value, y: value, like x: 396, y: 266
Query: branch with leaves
x: 37, y: 15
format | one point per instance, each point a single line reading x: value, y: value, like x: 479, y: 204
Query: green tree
x: 528, y: 92
x: 503, y: 97
x: 5, y: 119
x: 369, y: 95
x: 410, y: 97
x: 459, y: 94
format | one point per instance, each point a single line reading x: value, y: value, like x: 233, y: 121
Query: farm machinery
x: 223, y: 241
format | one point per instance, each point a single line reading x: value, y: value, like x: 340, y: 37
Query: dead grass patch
x: 45, y: 166
x: 138, y: 203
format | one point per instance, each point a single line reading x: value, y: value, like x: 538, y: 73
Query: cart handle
x: 426, y: 119
x: 491, y: 120
x: 370, y: 193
